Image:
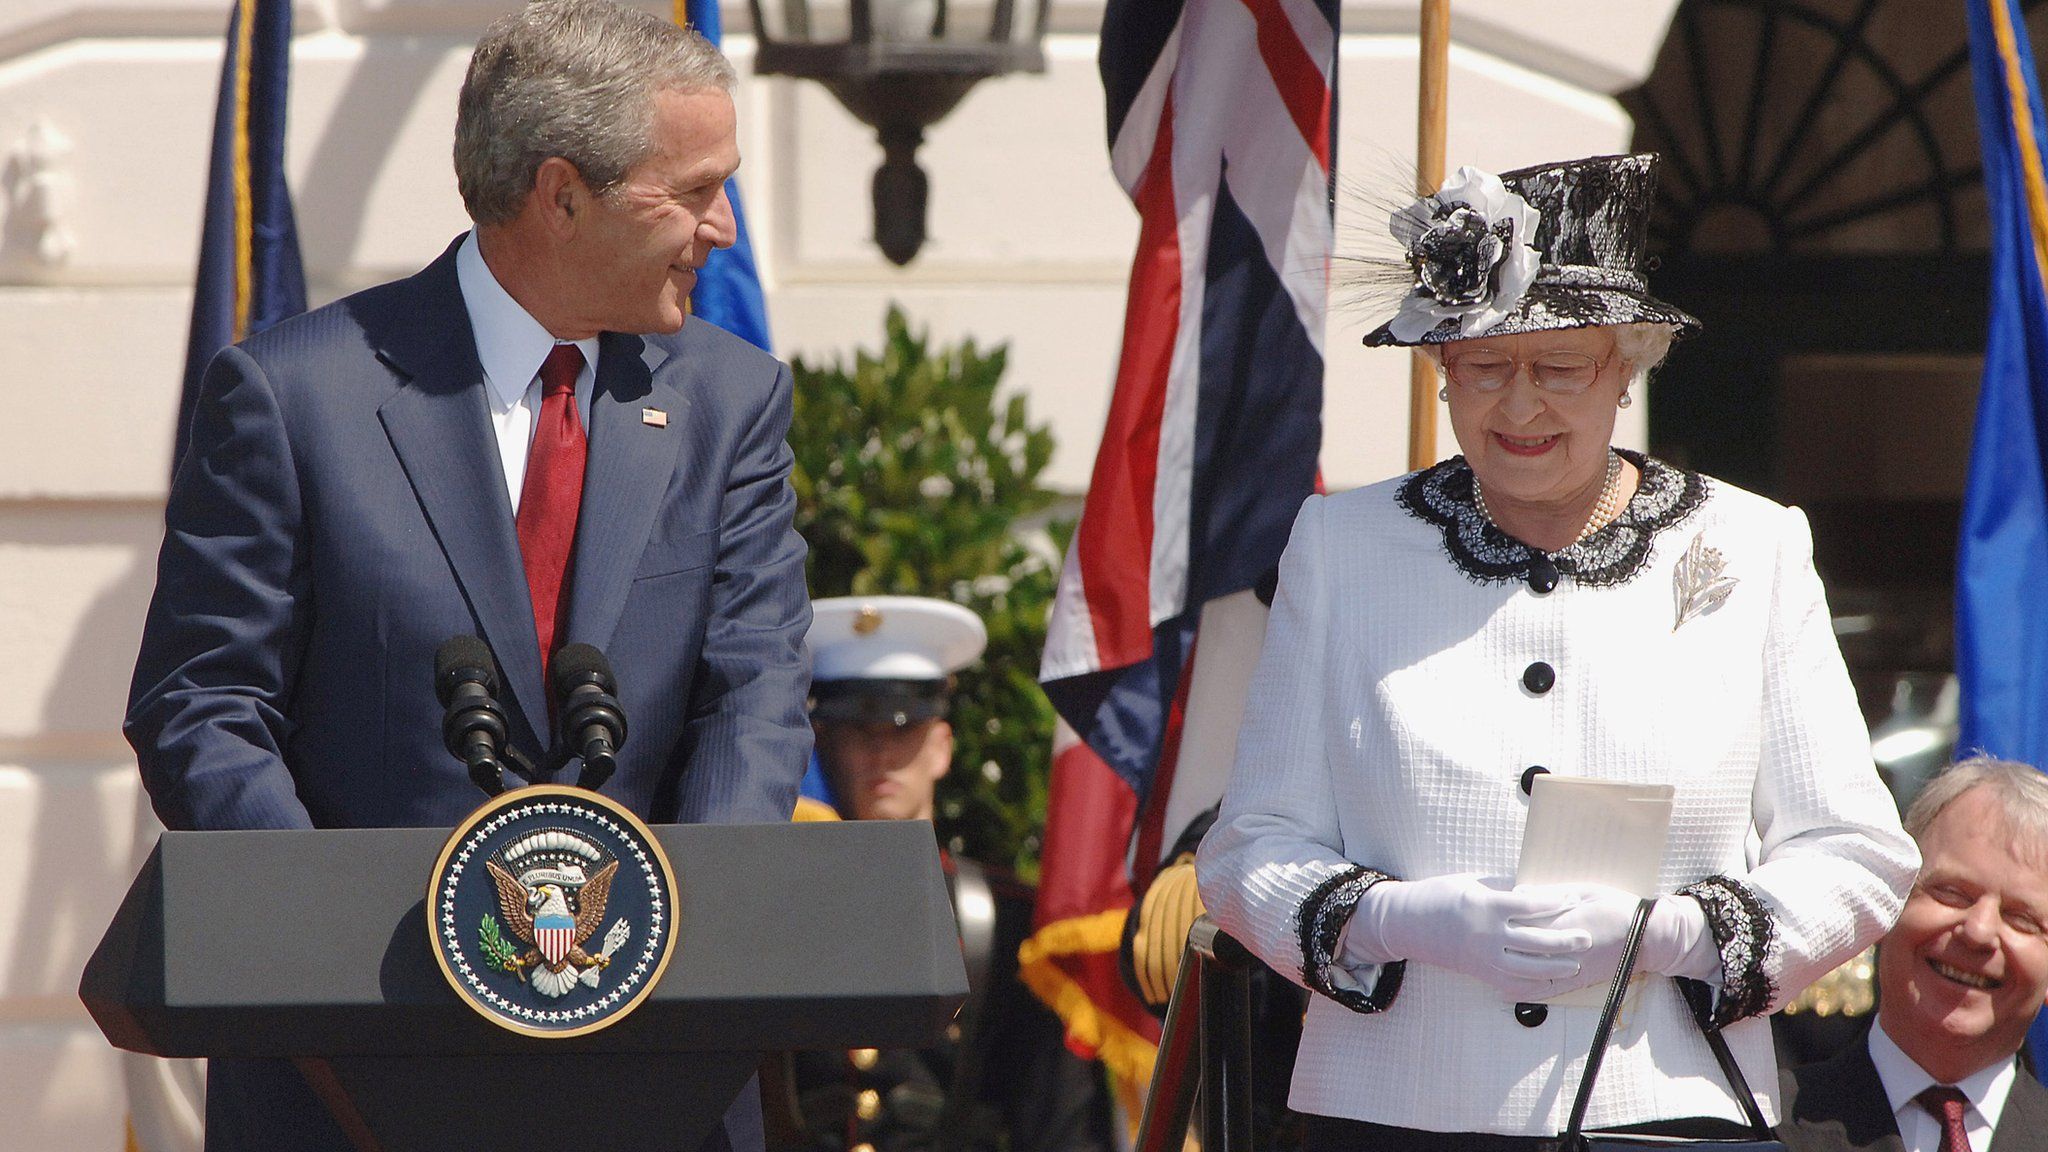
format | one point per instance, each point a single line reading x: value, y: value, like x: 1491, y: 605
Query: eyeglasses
x: 1486, y: 370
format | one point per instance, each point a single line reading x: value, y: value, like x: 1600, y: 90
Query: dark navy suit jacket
x: 1839, y: 1105
x: 342, y: 511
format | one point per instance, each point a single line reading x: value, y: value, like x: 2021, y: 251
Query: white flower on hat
x: 1469, y: 247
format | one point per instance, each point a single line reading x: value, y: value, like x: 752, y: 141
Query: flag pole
x: 1432, y: 101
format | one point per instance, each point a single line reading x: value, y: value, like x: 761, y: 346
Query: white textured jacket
x: 1394, y: 715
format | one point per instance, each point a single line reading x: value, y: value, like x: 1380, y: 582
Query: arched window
x: 1815, y: 127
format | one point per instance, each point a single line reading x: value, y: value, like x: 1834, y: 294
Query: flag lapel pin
x: 654, y: 417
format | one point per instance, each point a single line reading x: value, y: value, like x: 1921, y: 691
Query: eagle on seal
x: 554, y: 918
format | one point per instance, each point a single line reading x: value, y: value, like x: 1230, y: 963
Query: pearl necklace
x: 1604, y: 511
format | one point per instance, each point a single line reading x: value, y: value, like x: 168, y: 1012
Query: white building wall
x: 108, y: 104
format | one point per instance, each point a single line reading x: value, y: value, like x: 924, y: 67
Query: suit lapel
x: 440, y: 427
x: 2023, y: 1123
x: 1842, y: 1103
x: 632, y: 463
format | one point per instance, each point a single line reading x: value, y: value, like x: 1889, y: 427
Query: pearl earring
x: 1625, y: 401
x: 1443, y: 392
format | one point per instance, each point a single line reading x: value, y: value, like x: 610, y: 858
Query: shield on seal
x: 554, y: 933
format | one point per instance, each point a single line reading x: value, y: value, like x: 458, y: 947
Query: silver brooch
x: 1697, y: 584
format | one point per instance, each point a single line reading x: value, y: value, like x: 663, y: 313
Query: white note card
x: 1594, y: 831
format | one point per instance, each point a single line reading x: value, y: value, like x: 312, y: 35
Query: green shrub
x: 912, y: 480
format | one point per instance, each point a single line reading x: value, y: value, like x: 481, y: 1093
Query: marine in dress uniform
x: 1003, y: 1078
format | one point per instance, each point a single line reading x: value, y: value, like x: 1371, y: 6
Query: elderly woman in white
x: 1543, y: 603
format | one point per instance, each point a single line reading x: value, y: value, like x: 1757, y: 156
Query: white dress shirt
x: 1903, y: 1079
x: 511, y: 344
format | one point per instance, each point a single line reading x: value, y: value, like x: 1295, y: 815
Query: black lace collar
x: 1442, y: 495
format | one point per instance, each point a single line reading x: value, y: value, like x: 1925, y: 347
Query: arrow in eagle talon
x: 614, y: 938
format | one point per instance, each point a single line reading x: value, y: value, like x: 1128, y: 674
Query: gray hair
x: 1644, y: 345
x: 569, y: 78
x: 2020, y: 790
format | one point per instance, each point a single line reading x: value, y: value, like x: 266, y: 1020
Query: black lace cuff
x: 1744, y: 933
x: 1322, y: 919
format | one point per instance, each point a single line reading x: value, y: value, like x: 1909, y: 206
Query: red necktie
x: 551, y: 495
x: 1947, y: 1104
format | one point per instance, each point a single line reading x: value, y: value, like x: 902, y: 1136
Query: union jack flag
x: 1221, y: 123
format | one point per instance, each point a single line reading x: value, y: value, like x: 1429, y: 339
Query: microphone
x: 465, y: 680
x: 593, y: 723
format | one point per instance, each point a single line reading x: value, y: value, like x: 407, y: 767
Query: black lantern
x: 898, y: 65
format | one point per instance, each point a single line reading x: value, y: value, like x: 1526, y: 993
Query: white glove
x: 1481, y: 927
x: 1676, y: 941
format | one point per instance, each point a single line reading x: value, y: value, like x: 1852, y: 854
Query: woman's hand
x: 1480, y: 926
x: 1675, y: 941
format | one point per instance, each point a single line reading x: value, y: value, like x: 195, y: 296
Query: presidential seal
x: 552, y: 911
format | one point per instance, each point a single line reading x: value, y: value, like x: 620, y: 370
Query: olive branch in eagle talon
x: 521, y: 905
x: 498, y: 951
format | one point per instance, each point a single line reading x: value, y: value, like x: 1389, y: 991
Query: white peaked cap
x: 892, y: 638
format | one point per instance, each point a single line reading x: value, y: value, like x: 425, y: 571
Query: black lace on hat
x: 1536, y: 249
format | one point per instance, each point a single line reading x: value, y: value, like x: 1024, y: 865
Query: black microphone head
x: 579, y: 664
x: 463, y: 659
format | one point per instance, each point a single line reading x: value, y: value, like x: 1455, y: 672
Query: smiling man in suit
x: 1961, y: 977
x: 528, y: 441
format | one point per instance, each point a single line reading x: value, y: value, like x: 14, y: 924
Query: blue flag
x: 2002, y: 566
x: 250, y: 276
x: 728, y: 291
